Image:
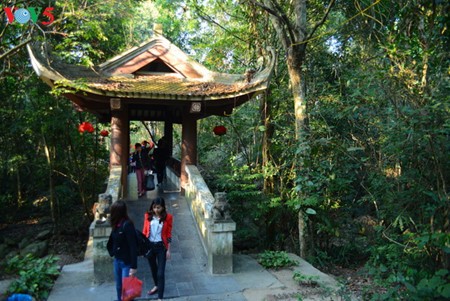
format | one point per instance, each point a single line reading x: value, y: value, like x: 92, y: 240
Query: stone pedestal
x: 220, y: 245
x: 103, y: 263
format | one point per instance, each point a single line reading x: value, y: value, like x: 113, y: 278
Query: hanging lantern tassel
x: 85, y: 127
x: 104, y: 133
x: 220, y: 130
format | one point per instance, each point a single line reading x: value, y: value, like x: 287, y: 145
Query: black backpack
x: 143, y: 244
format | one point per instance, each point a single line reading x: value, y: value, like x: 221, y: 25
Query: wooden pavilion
x: 156, y: 81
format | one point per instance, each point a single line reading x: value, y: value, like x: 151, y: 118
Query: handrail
x: 114, y: 187
x: 175, y: 165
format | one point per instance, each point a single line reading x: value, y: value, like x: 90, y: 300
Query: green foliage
x: 46, y: 165
x: 94, y: 31
x: 35, y: 275
x: 305, y: 279
x: 374, y: 160
x: 249, y: 206
x: 275, y: 260
x: 47, y: 128
x: 371, y: 170
x: 434, y: 287
x: 408, y: 266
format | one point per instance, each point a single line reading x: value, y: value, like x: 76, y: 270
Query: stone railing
x: 214, y: 222
x: 100, y: 228
x: 172, y: 179
x: 174, y: 165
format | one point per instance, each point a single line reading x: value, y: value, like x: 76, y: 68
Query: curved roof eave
x: 166, y: 96
x: 43, y: 67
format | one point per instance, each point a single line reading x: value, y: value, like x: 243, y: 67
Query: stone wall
x: 172, y: 180
x: 100, y: 231
x: 214, y: 222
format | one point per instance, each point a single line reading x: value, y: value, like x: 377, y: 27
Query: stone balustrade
x: 214, y: 222
x: 211, y: 214
x: 100, y: 231
x: 172, y: 176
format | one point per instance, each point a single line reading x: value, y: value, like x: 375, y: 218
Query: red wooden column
x: 120, y: 131
x: 188, y: 145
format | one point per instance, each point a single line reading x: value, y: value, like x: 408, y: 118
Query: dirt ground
x: 314, y: 284
x: 67, y: 243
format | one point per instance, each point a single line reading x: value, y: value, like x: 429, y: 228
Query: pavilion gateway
x: 155, y: 81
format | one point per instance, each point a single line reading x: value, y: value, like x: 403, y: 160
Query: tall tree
x: 295, y: 30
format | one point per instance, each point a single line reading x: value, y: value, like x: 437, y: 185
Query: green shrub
x: 306, y: 279
x: 275, y: 260
x: 408, y: 271
x: 35, y: 275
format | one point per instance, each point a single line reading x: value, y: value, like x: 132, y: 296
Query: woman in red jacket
x: 158, y: 229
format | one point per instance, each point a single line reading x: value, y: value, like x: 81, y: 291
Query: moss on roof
x: 167, y: 86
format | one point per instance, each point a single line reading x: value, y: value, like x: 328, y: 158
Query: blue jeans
x: 121, y: 270
x: 157, y: 262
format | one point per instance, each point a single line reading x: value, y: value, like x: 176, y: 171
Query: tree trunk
x: 84, y: 201
x: 295, y: 62
x: 293, y: 35
x: 51, y: 183
x: 19, y: 189
x: 266, y: 142
x: 302, y: 234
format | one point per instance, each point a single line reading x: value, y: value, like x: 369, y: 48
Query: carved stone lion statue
x: 221, y: 207
x: 101, y: 208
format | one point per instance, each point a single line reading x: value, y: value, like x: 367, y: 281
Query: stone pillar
x: 168, y: 134
x: 220, y: 255
x: 103, y: 263
x: 220, y: 237
x: 188, y: 145
x: 120, y: 130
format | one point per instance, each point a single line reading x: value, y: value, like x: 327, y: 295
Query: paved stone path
x: 187, y: 278
x: 186, y: 272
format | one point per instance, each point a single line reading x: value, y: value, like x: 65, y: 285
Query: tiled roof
x: 170, y: 86
x: 165, y: 85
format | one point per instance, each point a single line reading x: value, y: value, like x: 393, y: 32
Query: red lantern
x: 89, y: 128
x: 85, y: 127
x: 220, y: 130
x: 104, y: 133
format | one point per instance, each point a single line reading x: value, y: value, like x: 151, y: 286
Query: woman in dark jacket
x: 161, y: 155
x: 142, y: 160
x: 122, y: 245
